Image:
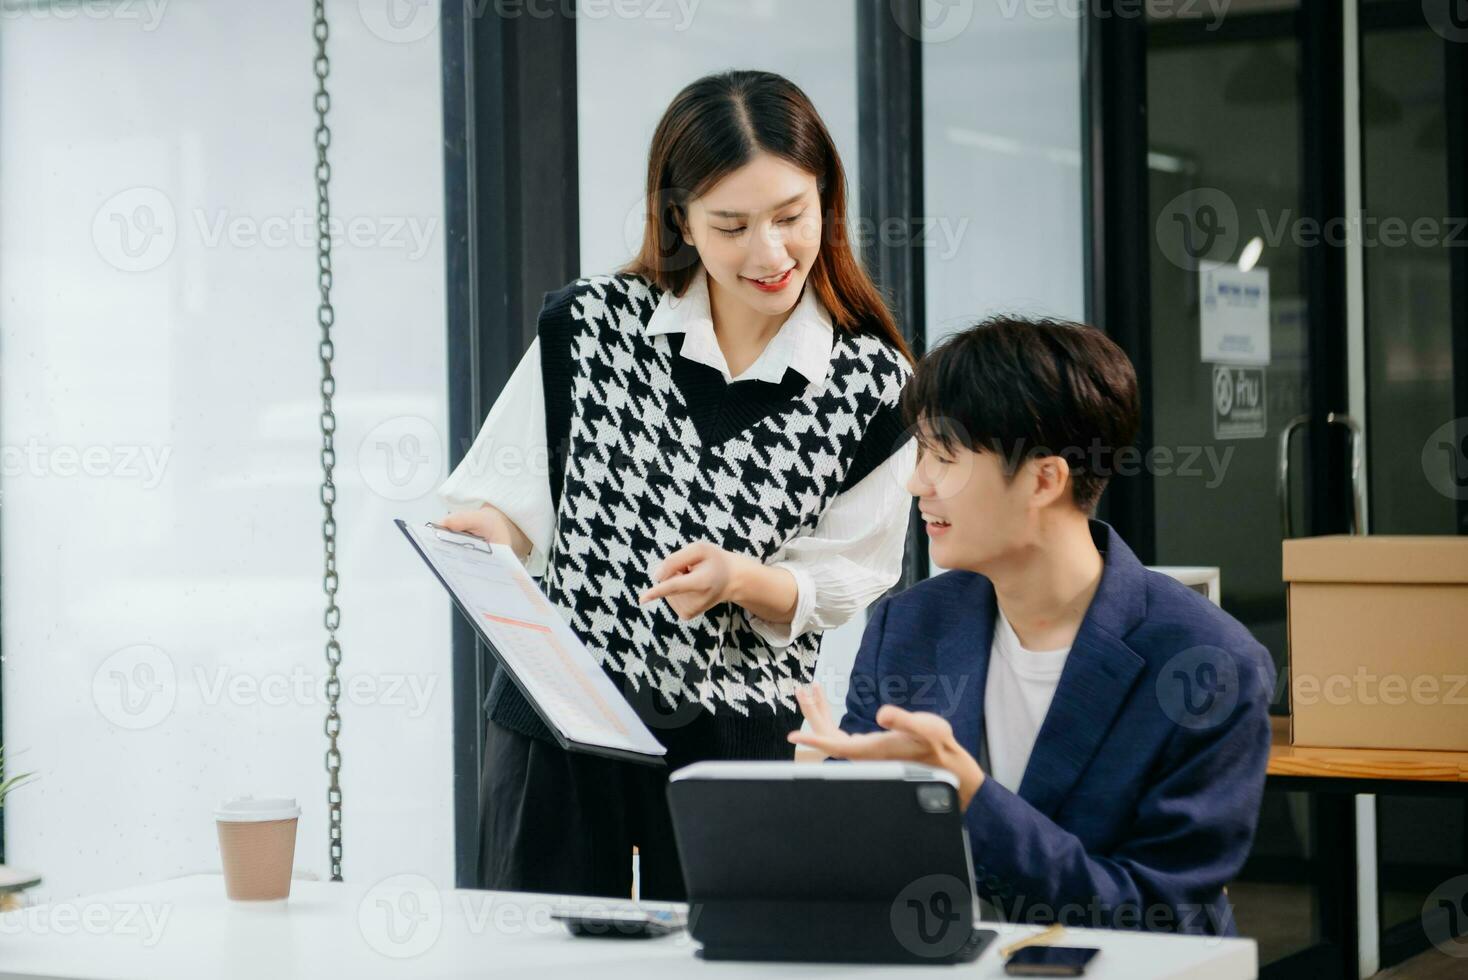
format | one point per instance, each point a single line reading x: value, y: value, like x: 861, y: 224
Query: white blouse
x: 851, y: 557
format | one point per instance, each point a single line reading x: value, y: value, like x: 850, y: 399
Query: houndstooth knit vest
x: 651, y: 451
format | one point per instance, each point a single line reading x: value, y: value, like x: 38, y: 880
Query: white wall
x: 129, y: 594
x: 1002, y: 161
x: 629, y: 68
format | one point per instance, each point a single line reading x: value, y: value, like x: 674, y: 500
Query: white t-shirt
x: 1017, y: 695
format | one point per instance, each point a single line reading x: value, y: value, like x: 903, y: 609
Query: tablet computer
x: 837, y: 862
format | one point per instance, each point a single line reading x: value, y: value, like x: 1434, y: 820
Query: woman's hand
x: 695, y: 578
x: 701, y: 575
x: 489, y: 523
x: 911, y: 736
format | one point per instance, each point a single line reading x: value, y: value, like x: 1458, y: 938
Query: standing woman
x: 723, y: 480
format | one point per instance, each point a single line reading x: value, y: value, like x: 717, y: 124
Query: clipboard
x: 533, y: 644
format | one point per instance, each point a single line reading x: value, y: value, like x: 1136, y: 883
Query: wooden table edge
x: 1367, y: 764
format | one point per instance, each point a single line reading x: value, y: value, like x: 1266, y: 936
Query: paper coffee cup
x: 257, y: 843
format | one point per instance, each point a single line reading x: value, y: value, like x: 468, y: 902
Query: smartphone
x: 620, y: 923
x: 1049, y: 961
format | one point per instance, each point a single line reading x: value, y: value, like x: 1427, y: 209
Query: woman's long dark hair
x: 714, y: 127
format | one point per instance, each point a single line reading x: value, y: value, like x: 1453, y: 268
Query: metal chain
x: 326, y: 318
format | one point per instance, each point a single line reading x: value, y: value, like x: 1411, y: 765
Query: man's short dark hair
x: 1026, y: 388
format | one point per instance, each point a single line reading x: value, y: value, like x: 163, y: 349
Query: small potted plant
x: 13, y: 881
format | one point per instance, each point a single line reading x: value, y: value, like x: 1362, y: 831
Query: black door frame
x: 890, y: 139
x: 512, y: 227
x: 1455, y: 55
x: 1116, y: 231
x: 1411, y: 15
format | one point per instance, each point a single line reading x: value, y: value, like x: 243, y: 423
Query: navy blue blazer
x: 1142, y: 794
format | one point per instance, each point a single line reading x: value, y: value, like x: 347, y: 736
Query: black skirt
x: 566, y: 822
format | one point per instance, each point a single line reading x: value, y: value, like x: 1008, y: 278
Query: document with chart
x: 548, y: 662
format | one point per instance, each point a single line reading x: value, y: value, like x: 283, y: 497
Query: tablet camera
x: 935, y: 799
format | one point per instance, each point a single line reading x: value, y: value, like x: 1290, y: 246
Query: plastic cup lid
x: 248, y: 809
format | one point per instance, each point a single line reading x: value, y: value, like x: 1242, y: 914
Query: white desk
x: 186, y: 928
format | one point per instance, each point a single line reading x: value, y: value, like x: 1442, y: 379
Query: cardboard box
x: 1378, y: 629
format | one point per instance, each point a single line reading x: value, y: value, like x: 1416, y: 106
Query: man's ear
x: 1052, y: 479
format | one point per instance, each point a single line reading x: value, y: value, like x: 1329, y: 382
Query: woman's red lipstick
x: 776, y: 285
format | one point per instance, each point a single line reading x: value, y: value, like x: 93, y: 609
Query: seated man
x: 1108, y: 726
